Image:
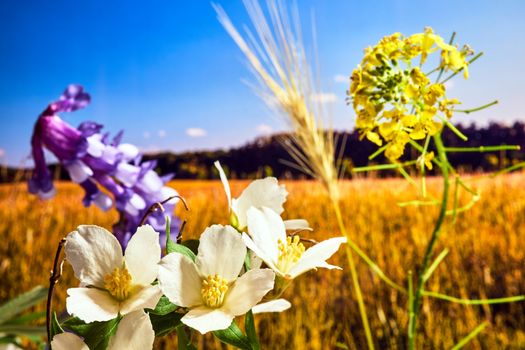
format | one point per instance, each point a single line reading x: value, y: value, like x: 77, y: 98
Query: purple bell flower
x: 94, y: 161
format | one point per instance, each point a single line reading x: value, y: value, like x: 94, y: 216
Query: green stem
x: 407, y: 177
x: 483, y: 148
x: 443, y: 68
x: 470, y: 336
x: 509, y: 169
x: 442, y: 155
x: 383, y: 166
x: 467, y: 111
x: 456, y: 200
x: 435, y: 264
x: 420, y: 148
x: 473, y: 301
x: 378, y: 152
x: 374, y: 267
x: 457, y: 210
x: 423, y: 166
x: 453, y: 128
x: 355, y: 280
x: 418, y: 203
x: 455, y: 73
x: 410, y: 304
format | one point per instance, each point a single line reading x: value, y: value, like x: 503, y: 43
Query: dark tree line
x: 267, y: 156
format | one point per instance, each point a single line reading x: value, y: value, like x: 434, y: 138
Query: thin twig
x: 179, y: 235
x: 53, y: 280
x: 159, y: 205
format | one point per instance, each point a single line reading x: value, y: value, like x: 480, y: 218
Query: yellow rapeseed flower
x: 395, y: 101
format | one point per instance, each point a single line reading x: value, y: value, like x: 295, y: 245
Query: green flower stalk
x: 397, y: 105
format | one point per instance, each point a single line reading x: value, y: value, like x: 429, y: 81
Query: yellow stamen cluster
x: 214, y: 290
x: 290, y: 251
x: 118, y: 283
x: 396, y: 102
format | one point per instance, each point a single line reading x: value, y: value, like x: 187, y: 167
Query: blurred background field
x: 486, y: 259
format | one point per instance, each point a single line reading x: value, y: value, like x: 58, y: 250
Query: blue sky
x: 167, y: 73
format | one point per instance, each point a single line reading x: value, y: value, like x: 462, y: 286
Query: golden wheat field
x: 486, y: 259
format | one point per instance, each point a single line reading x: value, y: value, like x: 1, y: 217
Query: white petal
x: 266, y: 228
x: 79, y: 171
x: 271, y: 262
x: 316, y: 256
x: 179, y: 280
x: 68, y: 341
x: 128, y: 150
x: 93, y: 252
x: 142, y: 255
x: 95, y: 147
x: 134, y: 332
x: 255, y: 260
x: 225, y: 183
x: 91, y: 304
x: 150, y: 182
x: 297, y: 224
x: 248, y: 290
x: 110, y: 154
x: 206, y: 320
x: 277, y: 305
x: 260, y: 193
x: 221, y: 252
x: 127, y: 174
x: 145, y: 298
x: 165, y: 193
x: 137, y: 201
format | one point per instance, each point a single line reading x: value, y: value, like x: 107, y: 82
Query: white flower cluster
x: 223, y: 280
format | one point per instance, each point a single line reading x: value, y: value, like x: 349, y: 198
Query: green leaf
x: 193, y: 244
x: 169, y: 241
x: 96, y: 334
x: 183, y: 340
x: 55, y: 326
x: 22, y: 302
x: 179, y: 248
x: 164, y: 307
x: 249, y: 325
x: 28, y: 318
x: 165, y: 324
x: 25, y: 330
x: 233, y: 336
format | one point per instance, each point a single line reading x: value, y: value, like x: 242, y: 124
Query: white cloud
x: 162, y: 133
x: 324, y: 97
x: 196, y: 132
x: 264, y: 129
x: 2, y: 152
x: 449, y: 84
x: 147, y: 135
x: 340, y: 78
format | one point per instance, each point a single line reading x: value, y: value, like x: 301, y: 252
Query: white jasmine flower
x: 134, y: 332
x: 277, y: 305
x: 210, y: 286
x: 112, y: 283
x: 286, y: 256
x: 260, y: 193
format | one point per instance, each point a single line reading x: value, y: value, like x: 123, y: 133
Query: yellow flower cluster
x: 393, y: 99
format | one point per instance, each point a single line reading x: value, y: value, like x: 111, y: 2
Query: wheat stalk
x: 278, y: 61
